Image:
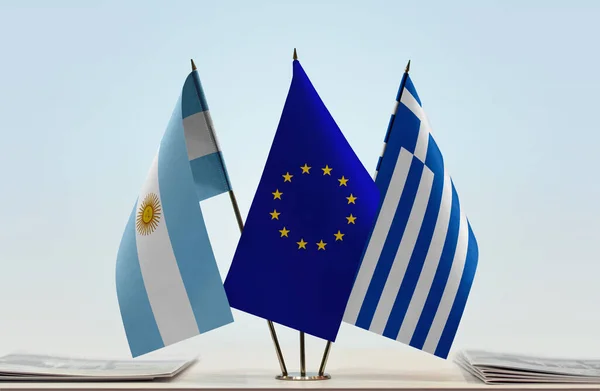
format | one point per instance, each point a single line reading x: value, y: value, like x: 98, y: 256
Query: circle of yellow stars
x: 321, y: 245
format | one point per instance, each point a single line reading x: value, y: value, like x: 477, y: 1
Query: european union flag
x: 309, y: 221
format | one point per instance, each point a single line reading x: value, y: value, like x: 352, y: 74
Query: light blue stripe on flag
x: 193, y: 99
x: 168, y: 285
x: 138, y: 319
x: 187, y: 230
x: 420, y: 261
x: 209, y: 175
x: 206, y: 159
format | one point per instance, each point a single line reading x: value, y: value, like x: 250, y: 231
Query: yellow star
x: 301, y: 244
x: 284, y: 232
x: 351, y: 199
x: 287, y: 177
x: 327, y: 170
x: 274, y: 214
x: 351, y: 219
x: 305, y: 168
x: 277, y: 194
x: 338, y: 236
x: 321, y: 245
x: 343, y: 181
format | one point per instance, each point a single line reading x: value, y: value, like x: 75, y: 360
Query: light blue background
x: 510, y: 87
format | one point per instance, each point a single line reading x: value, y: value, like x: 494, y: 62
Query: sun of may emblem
x: 148, y: 215
x: 299, y: 238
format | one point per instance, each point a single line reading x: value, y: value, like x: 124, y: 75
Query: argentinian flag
x: 168, y: 284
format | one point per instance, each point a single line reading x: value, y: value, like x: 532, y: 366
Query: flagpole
x: 324, y: 359
x: 240, y: 222
x: 398, y: 98
x: 302, y: 345
x: 321, y: 375
x: 302, y: 355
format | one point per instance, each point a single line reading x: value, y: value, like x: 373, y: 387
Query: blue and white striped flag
x: 168, y: 284
x: 420, y: 261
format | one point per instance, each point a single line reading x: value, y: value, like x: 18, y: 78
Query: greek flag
x: 420, y: 261
x: 168, y: 284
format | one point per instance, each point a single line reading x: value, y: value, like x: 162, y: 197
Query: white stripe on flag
x: 424, y: 129
x: 198, y: 137
x: 405, y: 250
x: 382, y: 227
x: 410, y: 102
x: 164, y: 286
x: 429, y: 266
x: 443, y: 311
x: 422, y: 141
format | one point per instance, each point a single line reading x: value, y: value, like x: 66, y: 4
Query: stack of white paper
x: 498, y: 368
x: 29, y: 367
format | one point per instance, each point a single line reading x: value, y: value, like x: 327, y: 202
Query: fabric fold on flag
x: 420, y: 260
x: 308, y: 223
x: 168, y: 285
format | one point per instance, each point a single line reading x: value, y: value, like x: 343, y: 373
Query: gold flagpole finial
x: 407, y: 67
x: 193, y: 65
x: 295, y: 54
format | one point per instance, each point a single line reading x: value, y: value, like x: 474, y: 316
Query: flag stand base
x: 302, y: 375
x: 309, y: 376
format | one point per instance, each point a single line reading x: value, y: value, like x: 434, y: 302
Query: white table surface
x: 351, y: 369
